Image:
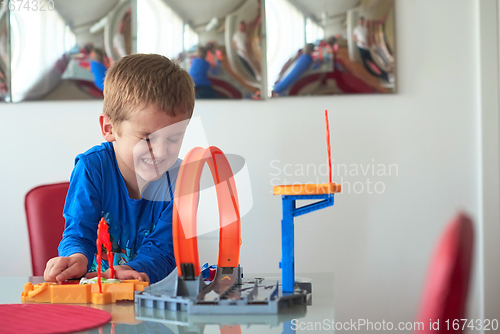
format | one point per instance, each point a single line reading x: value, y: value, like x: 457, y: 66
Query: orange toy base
x: 101, y: 298
x: 307, y: 189
x: 56, y: 293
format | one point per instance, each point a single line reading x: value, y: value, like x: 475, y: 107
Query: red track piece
x: 186, y: 207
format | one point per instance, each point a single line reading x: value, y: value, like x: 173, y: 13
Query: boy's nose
x: 160, y: 150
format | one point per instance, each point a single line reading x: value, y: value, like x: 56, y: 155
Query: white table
x: 125, y: 318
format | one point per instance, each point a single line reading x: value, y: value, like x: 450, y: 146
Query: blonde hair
x: 137, y: 81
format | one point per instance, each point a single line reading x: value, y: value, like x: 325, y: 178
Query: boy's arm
x: 82, y: 212
x: 155, y: 256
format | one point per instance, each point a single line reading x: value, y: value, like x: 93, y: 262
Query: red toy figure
x: 103, y: 240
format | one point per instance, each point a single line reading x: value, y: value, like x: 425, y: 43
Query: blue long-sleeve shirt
x: 301, y: 66
x: 99, y: 72
x: 198, y: 71
x: 140, y: 230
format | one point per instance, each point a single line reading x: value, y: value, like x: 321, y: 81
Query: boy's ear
x: 107, y: 129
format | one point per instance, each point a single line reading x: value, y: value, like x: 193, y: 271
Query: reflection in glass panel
x: 4, y: 54
x: 330, y: 47
x: 64, y: 53
x: 217, y: 41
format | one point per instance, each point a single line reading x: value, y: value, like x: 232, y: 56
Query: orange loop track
x: 185, y: 209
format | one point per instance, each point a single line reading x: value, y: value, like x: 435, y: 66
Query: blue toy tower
x: 290, y: 195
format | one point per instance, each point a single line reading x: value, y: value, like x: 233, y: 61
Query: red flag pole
x: 328, y: 148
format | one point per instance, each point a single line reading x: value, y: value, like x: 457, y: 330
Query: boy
x: 129, y: 179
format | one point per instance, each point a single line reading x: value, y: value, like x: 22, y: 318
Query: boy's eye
x: 149, y: 139
x: 172, y: 140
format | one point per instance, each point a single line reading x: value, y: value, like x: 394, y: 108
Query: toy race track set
x: 229, y: 292
x: 185, y: 289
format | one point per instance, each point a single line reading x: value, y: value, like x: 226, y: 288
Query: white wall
x: 378, y: 245
x: 335, y: 26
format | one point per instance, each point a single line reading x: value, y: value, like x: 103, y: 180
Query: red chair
x: 447, y: 284
x: 44, y: 206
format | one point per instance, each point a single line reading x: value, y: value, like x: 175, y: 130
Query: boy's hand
x: 122, y: 272
x: 60, y: 269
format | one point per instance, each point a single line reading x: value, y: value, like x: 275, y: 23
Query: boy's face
x: 148, y: 144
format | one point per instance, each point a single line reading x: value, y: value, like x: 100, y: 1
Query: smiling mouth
x: 152, y: 162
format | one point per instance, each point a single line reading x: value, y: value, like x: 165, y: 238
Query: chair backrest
x: 445, y: 291
x: 44, y: 206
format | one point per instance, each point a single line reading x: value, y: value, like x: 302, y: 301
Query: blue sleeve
x: 82, y: 212
x: 155, y: 256
x: 302, y: 65
x: 99, y: 72
x: 198, y: 72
